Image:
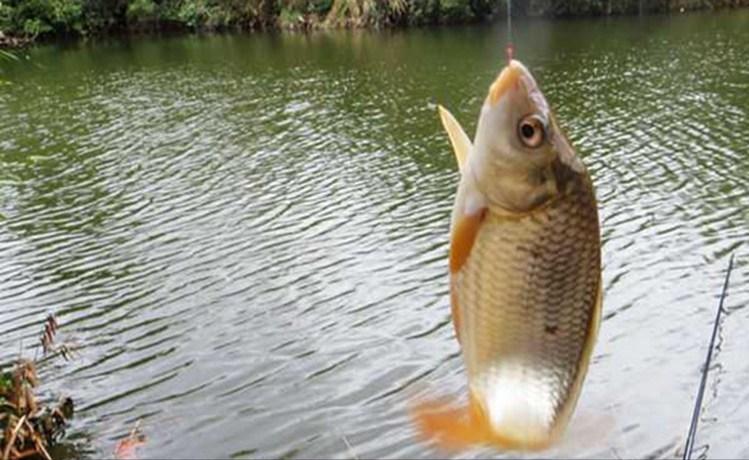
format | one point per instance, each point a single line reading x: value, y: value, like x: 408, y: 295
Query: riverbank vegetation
x: 22, y: 21
x: 39, y: 18
x: 27, y: 427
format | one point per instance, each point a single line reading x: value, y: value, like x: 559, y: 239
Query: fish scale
x: 527, y: 294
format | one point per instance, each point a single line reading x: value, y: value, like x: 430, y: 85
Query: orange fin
x: 461, y: 243
x: 454, y: 428
x: 451, y: 428
x: 463, y: 237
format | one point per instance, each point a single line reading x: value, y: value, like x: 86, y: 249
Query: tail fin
x: 450, y: 427
x: 454, y: 428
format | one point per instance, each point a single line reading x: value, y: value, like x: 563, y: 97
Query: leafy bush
x: 35, y: 27
x: 289, y: 18
x: 39, y: 17
x: 6, y: 13
x: 67, y: 16
x: 455, y: 10
x: 424, y: 11
x: 193, y: 13
x: 141, y: 11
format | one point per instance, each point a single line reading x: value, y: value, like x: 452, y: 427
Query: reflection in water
x: 248, y: 234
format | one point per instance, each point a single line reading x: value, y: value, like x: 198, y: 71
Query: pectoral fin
x: 461, y: 243
x: 458, y: 138
x: 463, y: 236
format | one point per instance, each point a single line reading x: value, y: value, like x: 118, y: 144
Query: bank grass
x: 28, y: 428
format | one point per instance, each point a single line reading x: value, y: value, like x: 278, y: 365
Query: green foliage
x: 6, y: 14
x: 34, y: 27
x: 357, y: 13
x: 221, y: 14
x: 424, y: 11
x: 290, y: 18
x: 141, y: 11
x: 455, y: 10
x: 320, y: 6
x: 192, y: 14
x: 6, y: 382
x: 67, y: 15
x: 38, y: 17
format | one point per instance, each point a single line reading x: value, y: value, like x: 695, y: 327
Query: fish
x: 524, y: 273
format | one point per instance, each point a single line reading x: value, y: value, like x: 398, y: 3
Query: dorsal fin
x: 458, y: 138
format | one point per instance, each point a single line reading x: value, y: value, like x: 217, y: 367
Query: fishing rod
x: 701, y: 391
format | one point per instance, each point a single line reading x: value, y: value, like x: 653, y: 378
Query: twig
x: 38, y: 442
x: 40, y: 446
x: 12, y: 439
x: 701, y: 391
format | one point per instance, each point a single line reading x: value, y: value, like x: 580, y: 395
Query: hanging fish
x: 525, y: 273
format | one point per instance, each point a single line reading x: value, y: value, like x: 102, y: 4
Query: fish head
x: 521, y: 159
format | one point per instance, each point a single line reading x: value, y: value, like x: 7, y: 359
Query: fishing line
x: 700, y: 393
x: 509, y: 49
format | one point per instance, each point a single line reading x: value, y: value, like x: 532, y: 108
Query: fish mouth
x: 514, y: 79
x: 507, y: 80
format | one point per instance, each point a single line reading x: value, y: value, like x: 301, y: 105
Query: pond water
x: 246, y: 236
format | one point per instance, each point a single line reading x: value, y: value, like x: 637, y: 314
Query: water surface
x: 247, y: 236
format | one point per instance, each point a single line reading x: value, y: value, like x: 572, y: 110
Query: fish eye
x: 531, y: 131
